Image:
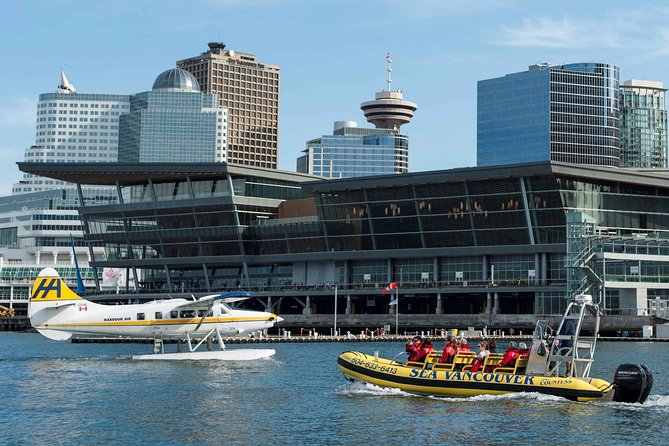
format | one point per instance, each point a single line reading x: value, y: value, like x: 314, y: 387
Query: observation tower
x: 389, y: 110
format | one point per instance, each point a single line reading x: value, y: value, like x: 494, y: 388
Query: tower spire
x: 390, y: 70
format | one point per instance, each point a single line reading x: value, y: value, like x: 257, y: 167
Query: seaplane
x: 59, y: 313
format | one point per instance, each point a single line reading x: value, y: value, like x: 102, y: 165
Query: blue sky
x: 331, y: 53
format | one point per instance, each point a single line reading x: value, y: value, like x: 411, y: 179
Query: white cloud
x: 546, y: 32
x: 642, y: 31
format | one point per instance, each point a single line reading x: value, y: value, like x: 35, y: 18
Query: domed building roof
x: 176, y: 79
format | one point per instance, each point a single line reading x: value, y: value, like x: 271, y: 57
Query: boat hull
x: 386, y: 373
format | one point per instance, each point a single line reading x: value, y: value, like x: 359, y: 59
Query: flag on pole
x: 393, y: 302
x: 392, y: 286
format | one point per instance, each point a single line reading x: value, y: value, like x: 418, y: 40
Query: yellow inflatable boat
x: 556, y: 365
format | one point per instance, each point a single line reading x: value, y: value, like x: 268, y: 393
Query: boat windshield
x: 540, y: 330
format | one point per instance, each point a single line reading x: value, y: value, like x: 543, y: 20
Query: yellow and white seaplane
x: 59, y: 313
x: 557, y: 364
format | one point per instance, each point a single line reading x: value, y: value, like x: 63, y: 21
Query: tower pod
x: 632, y: 383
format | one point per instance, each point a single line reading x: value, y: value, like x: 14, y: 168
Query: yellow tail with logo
x: 49, y: 297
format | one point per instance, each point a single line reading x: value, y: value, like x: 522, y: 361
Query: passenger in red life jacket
x: 450, y: 350
x: 522, y: 349
x: 424, y: 350
x: 510, y: 356
x: 412, y: 347
x: 463, y: 346
x: 480, y: 358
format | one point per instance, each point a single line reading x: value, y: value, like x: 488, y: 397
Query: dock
x: 502, y: 340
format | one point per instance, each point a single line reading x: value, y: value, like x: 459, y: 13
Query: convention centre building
x: 496, y: 246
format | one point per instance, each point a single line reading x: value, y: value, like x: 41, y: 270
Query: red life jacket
x: 448, y: 354
x: 423, y: 351
x: 509, y: 358
x: 412, y: 351
x: 476, y: 365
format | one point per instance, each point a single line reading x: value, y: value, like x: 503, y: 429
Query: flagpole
x: 397, y: 310
x: 335, y: 312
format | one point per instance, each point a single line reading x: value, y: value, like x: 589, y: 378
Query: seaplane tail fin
x: 48, y: 296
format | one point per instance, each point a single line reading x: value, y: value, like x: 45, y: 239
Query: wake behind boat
x: 556, y: 365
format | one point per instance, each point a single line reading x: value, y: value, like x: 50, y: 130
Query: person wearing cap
x: 412, y: 348
x: 424, y: 350
x: 450, y: 350
x: 510, y: 355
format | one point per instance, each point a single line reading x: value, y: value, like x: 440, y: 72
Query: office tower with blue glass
x: 643, y: 124
x: 356, y: 152
x: 352, y: 151
x: 568, y: 113
x: 173, y: 123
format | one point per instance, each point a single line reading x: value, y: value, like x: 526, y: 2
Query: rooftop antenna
x: 389, y: 60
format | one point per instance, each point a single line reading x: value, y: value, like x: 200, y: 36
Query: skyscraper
x: 249, y: 89
x: 174, y: 122
x: 567, y: 113
x: 355, y: 152
x: 643, y: 124
x: 73, y: 127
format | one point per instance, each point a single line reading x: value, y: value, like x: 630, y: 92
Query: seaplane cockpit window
x: 140, y: 316
x: 187, y: 313
x: 159, y: 315
x: 225, y: 309
x: 201, y: 313
x: 174, y: 314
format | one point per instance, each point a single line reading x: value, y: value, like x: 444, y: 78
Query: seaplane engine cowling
x: 632, y: 383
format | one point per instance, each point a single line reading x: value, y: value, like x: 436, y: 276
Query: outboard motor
x: 632, y: 383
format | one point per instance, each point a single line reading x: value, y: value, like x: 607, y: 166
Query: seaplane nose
x: 279, y: 319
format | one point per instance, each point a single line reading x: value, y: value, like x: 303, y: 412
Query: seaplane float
x: 558, y: 364
x: 59, y: 313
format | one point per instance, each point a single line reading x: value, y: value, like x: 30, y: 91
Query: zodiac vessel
x: 557, y: 364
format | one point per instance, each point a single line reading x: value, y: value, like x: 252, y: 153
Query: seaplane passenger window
x: 201, y: 313
x: 159, y: 315
x: 188, y: 313
x: 174, y: 314
x: 140, y: 316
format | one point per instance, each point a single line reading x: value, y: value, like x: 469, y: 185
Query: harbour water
x: 63, y: 393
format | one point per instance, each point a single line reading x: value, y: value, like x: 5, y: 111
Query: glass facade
x: 171, y: 124
x: 354, y: 152
x: 567, y: 113
x: 643, y: 125
x: 476, y: 239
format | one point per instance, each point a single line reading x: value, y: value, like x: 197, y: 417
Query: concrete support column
x: 348, y: 304
x: 440, y: 309
x: 38, y: 256
x: 488, y: 303
x: 544, y: 269
x: 307, y: 306
x: 55, y: 257
x: 495, y: 306
x: 269, y: 303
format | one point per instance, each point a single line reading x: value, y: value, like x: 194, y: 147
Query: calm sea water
x: 62, y: 393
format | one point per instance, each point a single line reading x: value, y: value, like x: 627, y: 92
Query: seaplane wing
x: 208, y: 301
x: 59, y: 313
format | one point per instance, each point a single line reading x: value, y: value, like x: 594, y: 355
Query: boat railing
x: 572, y: 354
